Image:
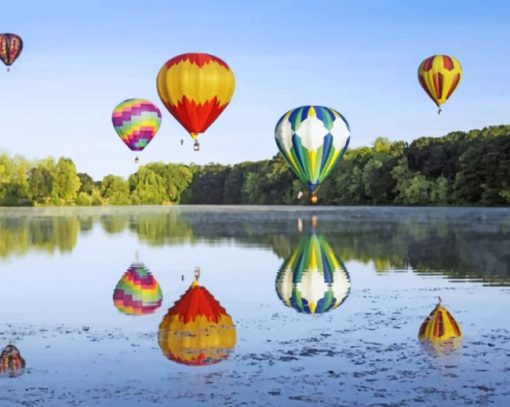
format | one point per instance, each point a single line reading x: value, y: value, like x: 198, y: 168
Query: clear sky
x: 81, y: 58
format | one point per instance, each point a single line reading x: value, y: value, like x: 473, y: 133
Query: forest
x: 462, y: 168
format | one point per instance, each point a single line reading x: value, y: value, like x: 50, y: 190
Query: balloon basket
x: 314, y: 199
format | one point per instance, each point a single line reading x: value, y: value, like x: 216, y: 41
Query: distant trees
x: 159, y: 183
x: 461, y: 168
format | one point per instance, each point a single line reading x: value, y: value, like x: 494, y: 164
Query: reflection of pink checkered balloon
x: 137, y: 292
x: 136, y: 121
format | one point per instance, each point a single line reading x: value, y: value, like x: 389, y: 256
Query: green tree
x: 40, y: 184
x: 114, y: 190
x: 147, y: 187
x: 66, y: 182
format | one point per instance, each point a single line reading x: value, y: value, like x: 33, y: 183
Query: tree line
x: 461, y: 168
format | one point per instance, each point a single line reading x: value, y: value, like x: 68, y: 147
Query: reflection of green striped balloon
x: 312, y: 139
x: 313, y: 280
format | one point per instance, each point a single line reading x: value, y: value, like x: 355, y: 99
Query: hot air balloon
x: 11, y: 46
x: 313, y: 280
x: 439, y: 326
x: 439, y: 76
x: 197, y: 331
x: 136, y: 121
x: 312, y: 139
x: 11, y: 362
x: 137, y: 292
x: 195, y: 88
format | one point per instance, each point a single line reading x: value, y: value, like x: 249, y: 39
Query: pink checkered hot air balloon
x: 136, y: 121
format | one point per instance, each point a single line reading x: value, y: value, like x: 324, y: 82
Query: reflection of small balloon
x: 439, y: 326
x: 312, y: 139
x: 197, y: 331
x: 11, y: 362
x: 312, y: 279
x: 137, y: 292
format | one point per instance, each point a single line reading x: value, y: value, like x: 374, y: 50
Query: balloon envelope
x: 137, y: 292
x: 197, y: 331
x: 312, y: 279
x: 312, y: 139
x: 136, y: 121
x: 195, y: 88
x: 439, y: 76
x: 11, y: 46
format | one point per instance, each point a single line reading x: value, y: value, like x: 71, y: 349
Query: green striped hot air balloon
x: 312, y: 139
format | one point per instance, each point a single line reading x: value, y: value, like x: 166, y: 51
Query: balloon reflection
x: 11, y: 362
x: 197, y: 330
x: 137, y: 292
x: 313, y: 280
x: 440, y: 332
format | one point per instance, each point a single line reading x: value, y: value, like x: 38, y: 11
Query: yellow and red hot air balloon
x: 197, y: 331
x: 195, y: 88
x: 440, y: 329
x: 11, y: 362
x: 439, y: 76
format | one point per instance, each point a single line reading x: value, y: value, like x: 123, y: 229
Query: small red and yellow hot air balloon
x: 195, y: 88
x: 11, y: 362
x: 11, y: 46
x: 439, y: 76
x: 439, y: 326
x: 197, y: 331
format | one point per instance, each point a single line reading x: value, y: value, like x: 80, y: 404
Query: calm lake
x: 350, y: 343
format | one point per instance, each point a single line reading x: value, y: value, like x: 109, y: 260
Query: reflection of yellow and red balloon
x: 195, y: 88
x: 197, y: 331
x: 439, y: 326
x: 137, y: 292
x: 11, y: 362
x: 439, y: 76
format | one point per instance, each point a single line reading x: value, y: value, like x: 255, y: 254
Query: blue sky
x: 82, y: 58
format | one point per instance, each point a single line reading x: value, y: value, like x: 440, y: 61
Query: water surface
x: 59, y: 268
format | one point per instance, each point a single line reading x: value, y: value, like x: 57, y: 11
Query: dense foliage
x: 459, y: 169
